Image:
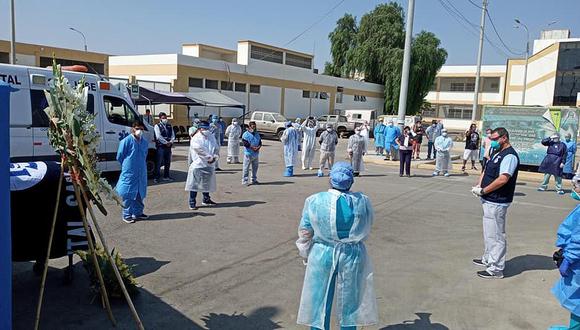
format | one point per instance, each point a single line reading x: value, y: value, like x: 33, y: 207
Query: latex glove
x: 305, y: 233
x: 477, y: 191
x: 564, y: 267
x: 561, y: 165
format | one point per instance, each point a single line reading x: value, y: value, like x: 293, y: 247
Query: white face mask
x: 329, y: 129
x: 444, y: 134
x: 164, y: 121
x: 390, y: 124
x: 138, y: 133
x: 234, y: 122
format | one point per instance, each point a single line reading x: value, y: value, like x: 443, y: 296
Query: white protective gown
x: 357, y: 147
x: 355, y: 296
x: 443, y: 146
x: 233, y: 132
x: 201, y: 174
x: 364, y: 132
x: 308, y: 145
x: 291, y: 141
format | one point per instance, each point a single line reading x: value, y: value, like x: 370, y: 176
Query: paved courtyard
x: 235, y: 266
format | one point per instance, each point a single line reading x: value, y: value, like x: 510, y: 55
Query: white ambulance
x: 110, y: 102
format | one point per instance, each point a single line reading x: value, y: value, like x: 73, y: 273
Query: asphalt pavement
x: 235, y: 266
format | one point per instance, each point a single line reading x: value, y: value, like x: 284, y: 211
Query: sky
x: 125, y: 27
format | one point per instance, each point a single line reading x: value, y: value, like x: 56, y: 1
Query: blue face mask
x: 494, y: 144
x: 575, y: 195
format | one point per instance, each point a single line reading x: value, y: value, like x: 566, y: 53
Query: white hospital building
x: 553, y: 79
x: 262, y: 77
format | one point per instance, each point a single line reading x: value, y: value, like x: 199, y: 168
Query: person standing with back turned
x: 496, y: 188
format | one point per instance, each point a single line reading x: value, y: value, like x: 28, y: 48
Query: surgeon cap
x: 341, y: 176
x: 288, y: 124
x: 203, y: 124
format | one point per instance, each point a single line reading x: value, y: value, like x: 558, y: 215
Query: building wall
x: 30, y: 54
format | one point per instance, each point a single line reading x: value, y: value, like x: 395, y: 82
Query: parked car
x: 268, y: 123
x: 343, y: 127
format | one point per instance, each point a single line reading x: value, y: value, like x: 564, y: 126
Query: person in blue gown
x: 132, y: 184
x: 568, y: 171
x: 291, y: 140
x: 337, y: 222
x: 379, y: 135
x: 568, y: 286
x: 392, y: 132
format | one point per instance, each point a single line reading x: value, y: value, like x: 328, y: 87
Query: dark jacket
x: 555, y: 156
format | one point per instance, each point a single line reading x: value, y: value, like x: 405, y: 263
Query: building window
x: 118, y: 111
x: 227, y: 85
x: 339, y: 92
x: 360, y: 98
x: 92, y: 67
x: 39, y: 104
x: 429, y: 112
x: 298, y: 61
x: 306, y: 94
x: 567, y: 84
x: 457, y: 87
x: 240, y: 87
x: 4, y: 57
x: 196, y: 82
x: 211, y: 84
x: 265, y: 54
x: 255, y: 89
x: 314, y: 95
x: 323, y: 95
x: 459, y: 113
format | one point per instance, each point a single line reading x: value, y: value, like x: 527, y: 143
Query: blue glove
x: 564, y: 267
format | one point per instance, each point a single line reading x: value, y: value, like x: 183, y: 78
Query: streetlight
x: 519, y: 23
x: 82, y: 34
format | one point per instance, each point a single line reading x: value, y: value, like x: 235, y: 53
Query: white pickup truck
x: 268, y: 123
x: 343, y: 127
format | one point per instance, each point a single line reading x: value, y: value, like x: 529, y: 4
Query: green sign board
x: 527, y: 127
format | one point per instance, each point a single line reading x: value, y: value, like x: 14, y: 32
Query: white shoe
x: 446, y: 174
x: 435, y: 173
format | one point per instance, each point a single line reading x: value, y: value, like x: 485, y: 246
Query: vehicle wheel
x: 151, y: 163
x: 341, y: 131
x: 279, y: 133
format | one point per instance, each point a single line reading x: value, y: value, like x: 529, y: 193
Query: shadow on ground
x: 422, y: 323
x: 70, y: 307
x: 144, y: 265
x: 259, y: 319
x: 238, y: 204
x: 179, y: 216
x: 517, y: 265
x: 274, y: 183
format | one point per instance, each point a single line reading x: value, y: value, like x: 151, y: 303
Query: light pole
x: 82, y: 34
x: 519, y: 23
x: 479, y: 58
x: 406, y: 65
x: 12, y: 34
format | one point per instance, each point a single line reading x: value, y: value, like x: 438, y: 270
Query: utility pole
x: 527, y: 57
x: 12, y: 34
x: 406, y: 65
x: 479, y: 56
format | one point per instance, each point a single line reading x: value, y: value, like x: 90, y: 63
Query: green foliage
x: 111, y: 283
x: 342, y: 40
x: 377, y: 53
x: 73, y: 134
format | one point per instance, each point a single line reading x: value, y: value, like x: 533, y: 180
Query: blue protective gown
x: 338, y: 253
x: 379, y: 134
x: 567, y: 288
x: 555, y: 156
x: 132, y: 154
x: 570, y: 152
x: 291, y: 141
x: 391, y: 134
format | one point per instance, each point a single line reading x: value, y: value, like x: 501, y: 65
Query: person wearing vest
x: 164, y: 138
x: 496, y: 188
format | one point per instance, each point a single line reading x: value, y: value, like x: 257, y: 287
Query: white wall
x: 243, y: 53
x: 268, y: 99
x: 541, y: 94
x: 295, y: 105
x: 23, y: 59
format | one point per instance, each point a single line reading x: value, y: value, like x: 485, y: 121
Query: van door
x: 20, y: 126
x: 259, y: 119
x: 269, y: 123
x: 117, y: 122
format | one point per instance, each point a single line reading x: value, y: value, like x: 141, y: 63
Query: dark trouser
x: 163, y: 159
x: 405, y: 161
x: 431, y: 147
x: 193, y: 196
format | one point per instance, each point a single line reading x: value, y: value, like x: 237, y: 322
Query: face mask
x: 494, y: 145
x: 444, y: 134
x: 357, y: 132
x: 214, y: 120
x: 433, y: 125
x: 575, y: 195
x: 138, y: 133
x: 164, y: 121
x: 391, y: 124
x: 329, y: 130
x: 234, y: 122
x: 251, y: 129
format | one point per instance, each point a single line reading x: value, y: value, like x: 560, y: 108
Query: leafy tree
x: 377, y: 53
x: 343, y: 40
